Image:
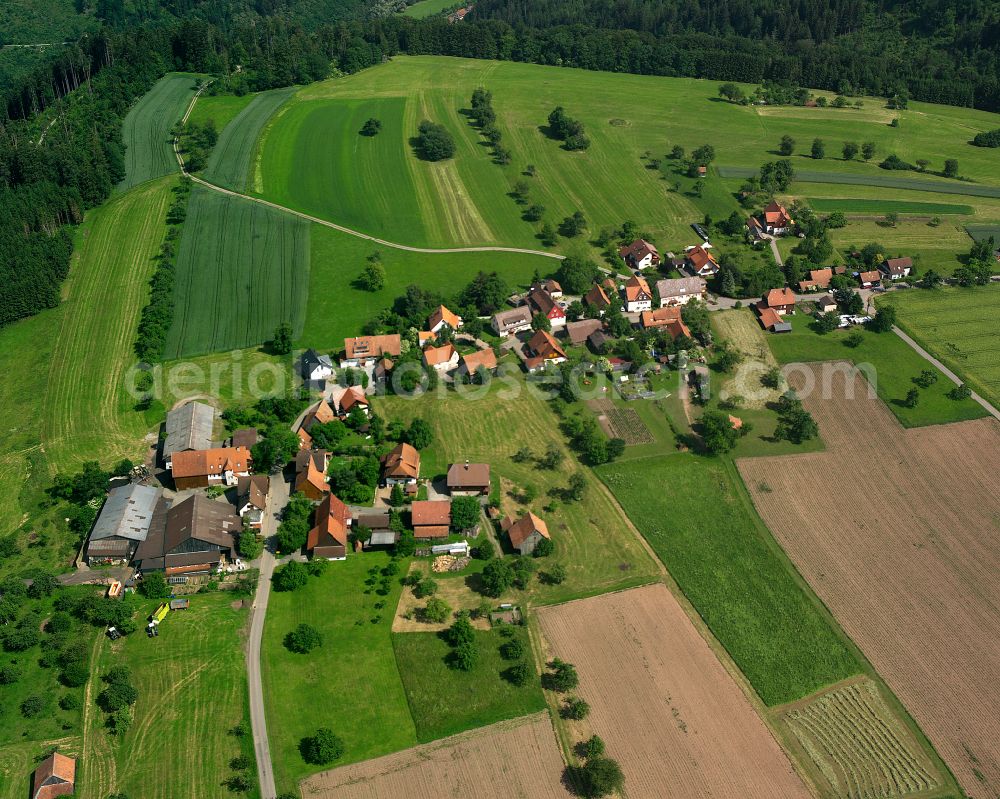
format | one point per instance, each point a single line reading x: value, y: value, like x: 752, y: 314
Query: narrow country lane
x: 276, y: 502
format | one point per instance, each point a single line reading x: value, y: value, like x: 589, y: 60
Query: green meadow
x: 445, y: 701
x: 220, y: 108
x: 350, y: 684
x: 242, y: 269
x: 427, y: 8
x: 146, y: 131
x: 864, y: 206
x: 959, y: 327
x: 313, y: 159
x: 338, y: 307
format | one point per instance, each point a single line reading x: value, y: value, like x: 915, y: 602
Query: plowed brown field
x: 667, y: 709
x: 511, y: 760
x: 897, y: 531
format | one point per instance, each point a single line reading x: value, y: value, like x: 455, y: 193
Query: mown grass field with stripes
x: 146, y: 130
x: 88, y: 414
x: 242, y: 269
x: 231, y: 162
x: 312, y: 157
x: 191, y: 681
x: 959, y: 327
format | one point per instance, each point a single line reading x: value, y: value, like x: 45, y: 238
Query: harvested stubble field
x: 903, y: 552
x: 668, y: 710
x: 623, y: 423
x: 858, y: 746
x: 511, y: 759
x: 242, y: 269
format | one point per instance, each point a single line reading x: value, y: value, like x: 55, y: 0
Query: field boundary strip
x: 882, y: 181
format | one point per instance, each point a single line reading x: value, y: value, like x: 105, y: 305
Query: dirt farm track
x: 897, y: 531
x: 667, y: 709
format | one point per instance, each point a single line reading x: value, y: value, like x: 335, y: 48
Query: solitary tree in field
x: 600, y: 776
x: 561, y: 676
x: 281, y: 344
x: 534, y: 212
x: 303, y: 639
x: 868, y: 150
x: 437, y: 610
x: 593, y: 747
x: 717, y: 432
x: 818, y: 149
x: 519, y: 674
x: 912, y: 398
x: 547, y: 235
x: 787, y: 145
x: 732, y: 92
x: 850, y: 150
x: 373, y: 276
x: 322, y: 748
x: 372, y: 127
x: 576, y: 708
x: 951, y: 168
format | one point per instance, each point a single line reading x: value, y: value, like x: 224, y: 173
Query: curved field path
x: 342, y: 228
x: 896, y: 531
x: 385, y: 243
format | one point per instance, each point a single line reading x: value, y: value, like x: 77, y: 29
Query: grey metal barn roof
x: 127, y: 513
x: 189, y: 427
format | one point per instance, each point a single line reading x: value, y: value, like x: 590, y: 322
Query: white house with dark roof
x: 316, y: 367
